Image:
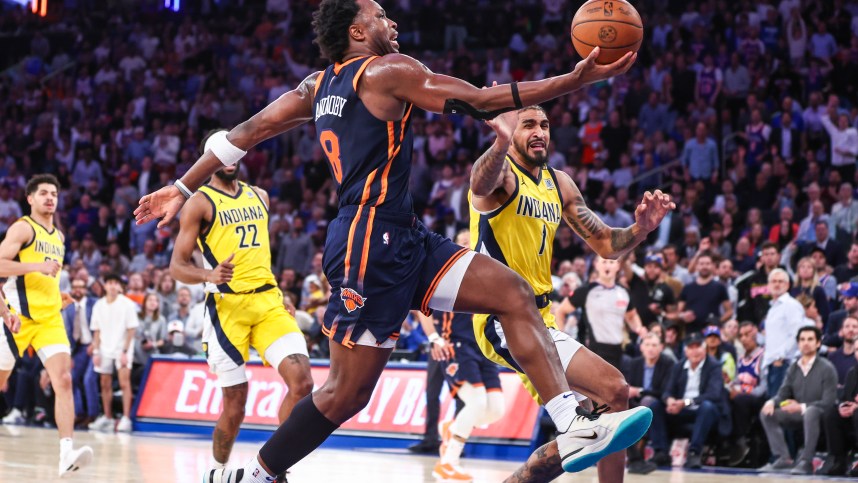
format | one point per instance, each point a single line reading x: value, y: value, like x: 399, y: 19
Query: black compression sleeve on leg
x: 298, y: 436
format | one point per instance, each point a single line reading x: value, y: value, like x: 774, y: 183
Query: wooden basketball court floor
x: 30, y: 454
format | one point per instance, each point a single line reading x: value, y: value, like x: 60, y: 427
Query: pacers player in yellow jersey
x: 31, y: 257
x: 228, y: 220
x: 517, y: 203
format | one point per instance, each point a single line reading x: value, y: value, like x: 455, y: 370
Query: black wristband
x: 515, y: 98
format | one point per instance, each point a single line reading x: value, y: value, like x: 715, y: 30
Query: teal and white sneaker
x: 594, y: 435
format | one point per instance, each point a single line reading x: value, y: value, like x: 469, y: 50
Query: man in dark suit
x: 647, y: 376
x: 77, y: 316
x: 834, y: 253
x: 694, y: 394
x: 786, y: 138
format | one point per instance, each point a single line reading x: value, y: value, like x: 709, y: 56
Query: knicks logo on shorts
x: 452, y: 369
x: 351, y: 299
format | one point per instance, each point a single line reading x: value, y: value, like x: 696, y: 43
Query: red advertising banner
x: 183, y: 391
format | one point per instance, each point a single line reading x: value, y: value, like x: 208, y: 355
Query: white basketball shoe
x: 593, y: 435
x: 74, y: 460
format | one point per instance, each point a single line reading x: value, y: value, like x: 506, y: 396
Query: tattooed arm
x: 491, y: 176
x: 606, y: 241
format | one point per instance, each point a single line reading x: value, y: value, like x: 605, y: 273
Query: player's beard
x: 532, y: 161
x: 226, y: 177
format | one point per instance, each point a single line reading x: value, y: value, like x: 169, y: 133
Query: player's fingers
x: 594, y: 54
x: 229, y: 258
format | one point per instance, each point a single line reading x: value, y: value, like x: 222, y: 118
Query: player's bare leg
x: 59, y: 371
x: 229, y: 422
x: 295, y: 371
x: 489, y: 287
x: 351, y: 380
x: 590, y: 375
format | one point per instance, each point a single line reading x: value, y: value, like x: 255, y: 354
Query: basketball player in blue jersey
x: 517, y: 203
x: 380, y: 260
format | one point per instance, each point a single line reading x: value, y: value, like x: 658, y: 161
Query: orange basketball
x: 613, y: 25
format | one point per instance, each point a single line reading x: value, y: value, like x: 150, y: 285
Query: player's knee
x: 301, y: 387
x: 63, y: 383
x: 496, y: 407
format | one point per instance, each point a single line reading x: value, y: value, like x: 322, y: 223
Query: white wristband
x: 434, y: 338
x: 225, y: 151
x: 183, y: 189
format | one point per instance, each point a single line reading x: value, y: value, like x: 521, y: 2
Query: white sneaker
x: 224, y: 475
x: 592, y: 436
x: 75, y: 460
x: 124, y: 425
x: 14, y: 417
x: 102, y: 423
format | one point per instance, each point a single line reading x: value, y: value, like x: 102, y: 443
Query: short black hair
x: 534, y: 107
x: 809, y: 328
x: 331, y: 26
x: 115, y: 277
x: 35, y: 181
x: 769, y: 244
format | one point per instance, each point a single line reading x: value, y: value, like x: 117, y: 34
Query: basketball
x: 613, y: 25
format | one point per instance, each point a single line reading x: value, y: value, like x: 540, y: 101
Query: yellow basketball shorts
x: 234, y: 322
x: 492, y: 341
x: 47, y: 337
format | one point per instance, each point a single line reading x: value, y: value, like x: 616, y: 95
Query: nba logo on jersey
x: 250, y: 193
x: 386, y: 238
x: 549, y: 184
x: 351, y: 299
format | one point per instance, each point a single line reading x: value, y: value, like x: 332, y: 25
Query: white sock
x: 562, y: 410
x: 255, y: 473
x: 66, y: 445
x: 454, y: 452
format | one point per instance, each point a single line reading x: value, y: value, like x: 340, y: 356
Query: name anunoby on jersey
x: 538, y: 209
x: 330, y: 106
x: 240, y: 215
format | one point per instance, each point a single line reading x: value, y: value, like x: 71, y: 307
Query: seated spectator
x: 844, y: 358
x: 809, y: 388
x: 719, y: 350
x: 849, y: 295
x: 647, y: 376
x: 841, y: 428
x: 747, y: 390
x: 175, y: 343
x: 694, y: 394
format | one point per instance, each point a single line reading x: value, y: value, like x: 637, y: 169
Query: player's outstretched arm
x: 491, y: 170
x: 606, y: 241
x: 19, y: 235
x: 181, y: 268
x: 287, y: 112
x: 409, y: 80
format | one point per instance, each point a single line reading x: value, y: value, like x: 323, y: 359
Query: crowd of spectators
x: 745, y: 112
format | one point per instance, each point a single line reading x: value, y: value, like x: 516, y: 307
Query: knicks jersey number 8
x: 331, y: 146
x: 243, y: 231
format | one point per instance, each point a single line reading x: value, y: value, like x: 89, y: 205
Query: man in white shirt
x: 114, y: 322
x: 783, y: 320
x: 844, y: 140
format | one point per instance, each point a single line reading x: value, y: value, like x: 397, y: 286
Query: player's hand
x: 12, y: 322
x: 589, y: 71
x: 441, y: 350
x: 652, y: 210
x: 290, y: 307
x: 164, y: 203
x: 50, y: 268
x: 67, y: 299
x: 221, y: 273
